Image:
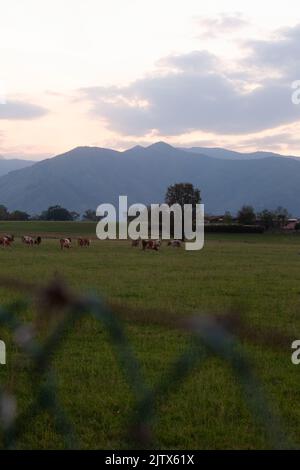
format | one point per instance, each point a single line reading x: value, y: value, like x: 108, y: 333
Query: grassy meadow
x: 254, y: 276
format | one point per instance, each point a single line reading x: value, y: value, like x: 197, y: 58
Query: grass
x: 38, y: 227
x: 254, y: 276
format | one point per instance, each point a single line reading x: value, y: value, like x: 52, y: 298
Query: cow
x: 7, y: 240
x: 9, y: 237
x: 27, y: 240
x: 175, y: 243
x: 65, y: 243
x: 4, y: 241
x: 135, y: 243
x: 84, y: 242
x: 38, y: 240
x: 151, y: 245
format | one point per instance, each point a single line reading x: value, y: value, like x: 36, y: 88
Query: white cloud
x: 280, y: 53
x: 224, y: 23
x: 196, y: 91
x: 18, y: 110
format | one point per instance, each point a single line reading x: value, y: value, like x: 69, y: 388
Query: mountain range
x: 13, y: 164
x: 218, y: 152
x: 85, y: 177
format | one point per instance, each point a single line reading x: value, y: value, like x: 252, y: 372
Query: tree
x: 90, y: 215
x: 182, y: 193
x: 19, y: 215
x: 56, y: 213
x: 4, y: 214
x: 246, y: 216
x: 227, y: 219
x: 282, y: 215
x: 267, y: 219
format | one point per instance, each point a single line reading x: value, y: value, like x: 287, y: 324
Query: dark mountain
x: 221, y: 153
x: 88, y: 176
x: 14, y: 164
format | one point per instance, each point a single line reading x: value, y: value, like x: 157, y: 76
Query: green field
x: 254, y: 276
x: 50, y: 229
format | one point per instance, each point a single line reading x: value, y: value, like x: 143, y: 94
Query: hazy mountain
x: 14, y: 164
x: 87, y: 176
x: 218, y: 152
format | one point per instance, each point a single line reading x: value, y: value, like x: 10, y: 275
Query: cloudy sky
x: 115, y: 73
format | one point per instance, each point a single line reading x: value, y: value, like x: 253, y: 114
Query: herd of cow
x: 7, y: 240
x: 155, y: 244
x: 66, y: 243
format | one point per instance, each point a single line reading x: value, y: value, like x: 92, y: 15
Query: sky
x: 117, y: 73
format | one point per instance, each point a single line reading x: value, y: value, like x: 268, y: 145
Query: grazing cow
x: 84, y: 242
x: 27, y: 240
x: 7, y: 240
x: 151, y: 244
x: 136, y: 242
x: 65, y: 243
x: 175, y: 243
x: 4, y: 241
x: 38, y: 240
x: 9, y: 237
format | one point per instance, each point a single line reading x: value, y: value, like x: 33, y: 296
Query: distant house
x: 214, y: 219
x: 291, y: 224
x: 219, y: 219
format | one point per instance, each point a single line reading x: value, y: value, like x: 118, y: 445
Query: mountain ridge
x: 85, y: 177
x: 223, y: 153
x: 7, y: 165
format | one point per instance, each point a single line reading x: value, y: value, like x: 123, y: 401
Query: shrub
x: 233, y: 228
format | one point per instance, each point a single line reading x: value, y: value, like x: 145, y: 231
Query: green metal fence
x: 209, y: 338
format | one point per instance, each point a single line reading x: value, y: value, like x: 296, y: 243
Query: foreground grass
x: 255, y: 276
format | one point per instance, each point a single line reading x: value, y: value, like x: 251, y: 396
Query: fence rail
x: 209, y: 338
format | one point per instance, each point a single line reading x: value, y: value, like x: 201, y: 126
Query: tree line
x: 186, y: 193
x: 269, y: 219
x: 55, y: 213
x: 179, y: 193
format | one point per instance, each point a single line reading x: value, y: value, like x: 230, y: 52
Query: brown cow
x: 9, y: 237
x: 38, y: 240
x: 151, y: 244
x: 65, y: 243
x: 136, y: 243
x: 4, y: 241
x: 27, y: 240
x: 84, y: 242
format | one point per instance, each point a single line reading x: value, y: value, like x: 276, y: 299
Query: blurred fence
x: 205, y: 331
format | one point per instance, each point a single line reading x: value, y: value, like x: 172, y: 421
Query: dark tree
x: 267, y: 219
x: 56, y: 213
x: 90, y: 215
x: 246, y: 216
x: 282, y: 215
x: 19, y: 215
x: 227, y: 219
x: 182, y: 193
x: 4, y: 214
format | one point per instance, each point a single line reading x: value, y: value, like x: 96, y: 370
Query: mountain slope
x: 88, y: 176
x: 14, y: 164
x: 221, y: 153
